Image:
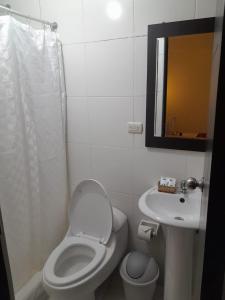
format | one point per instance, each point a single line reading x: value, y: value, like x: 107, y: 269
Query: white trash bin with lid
x: 140, y: 273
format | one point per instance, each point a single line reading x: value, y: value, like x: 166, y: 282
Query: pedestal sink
x: 179, y: 215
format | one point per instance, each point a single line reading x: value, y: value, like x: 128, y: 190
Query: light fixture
x: 114, y: 10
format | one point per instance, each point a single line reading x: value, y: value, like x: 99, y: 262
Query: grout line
x: 84, y: 97
x: 133, y: 85
x: 130, y: 148
x: 83, y: 19
x: 110, y: 97
x: 76, y: 142
x: 127, y: 148
x: 133, y: 18
x: 86, y: 90
x: 133, y: 63
x: 76, y: 98
x: 119, y: 193
x: 106, y: 40
x: 88, y: 110
x: 40, y: 9
x: 196, y: 7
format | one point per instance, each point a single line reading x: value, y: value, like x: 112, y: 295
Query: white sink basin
x: 180, y: 215
x: 180, y: 210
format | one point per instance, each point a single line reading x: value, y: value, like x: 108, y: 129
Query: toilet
x: 93, y: 246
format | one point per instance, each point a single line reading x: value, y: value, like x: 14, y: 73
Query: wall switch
x: 135, y: 127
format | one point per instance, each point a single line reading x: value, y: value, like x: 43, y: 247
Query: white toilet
x: 93, y: 246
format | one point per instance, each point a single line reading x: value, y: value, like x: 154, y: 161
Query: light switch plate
x: 135, y: 127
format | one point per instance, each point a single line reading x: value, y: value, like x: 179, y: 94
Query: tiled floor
x: 114, y: 290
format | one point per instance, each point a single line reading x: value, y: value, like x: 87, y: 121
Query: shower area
x: 33, y: 176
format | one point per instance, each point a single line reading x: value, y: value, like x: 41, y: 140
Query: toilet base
x: 80, y: 297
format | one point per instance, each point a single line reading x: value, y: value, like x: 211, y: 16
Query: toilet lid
x: 90, y: 212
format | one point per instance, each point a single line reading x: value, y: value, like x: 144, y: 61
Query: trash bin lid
x: 141, y: 266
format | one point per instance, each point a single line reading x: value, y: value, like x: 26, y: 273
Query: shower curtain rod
x: 7, y: 8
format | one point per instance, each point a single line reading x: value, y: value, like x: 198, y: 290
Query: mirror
x: 179, y: 72
x: 187, y: 85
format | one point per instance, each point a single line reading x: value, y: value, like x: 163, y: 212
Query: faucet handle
x: 192, y: 183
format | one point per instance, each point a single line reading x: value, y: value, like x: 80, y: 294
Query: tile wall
x: 105, y: 52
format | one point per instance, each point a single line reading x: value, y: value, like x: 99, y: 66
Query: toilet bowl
x: 93, y: 246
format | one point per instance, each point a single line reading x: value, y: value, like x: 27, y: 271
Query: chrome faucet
x: 183, y: 187
x: 191, y: 184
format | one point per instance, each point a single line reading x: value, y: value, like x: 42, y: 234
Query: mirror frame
x: 166, y: 30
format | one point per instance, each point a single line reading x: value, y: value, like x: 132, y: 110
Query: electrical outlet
x: 135, y: 127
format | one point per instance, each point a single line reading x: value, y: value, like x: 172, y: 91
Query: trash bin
x: 139, y: 273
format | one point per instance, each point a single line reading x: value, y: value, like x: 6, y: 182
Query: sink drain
x: 179, y: 218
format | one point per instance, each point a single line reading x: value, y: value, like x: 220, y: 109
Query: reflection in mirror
x: 183, y: 69
x: 159, y: 90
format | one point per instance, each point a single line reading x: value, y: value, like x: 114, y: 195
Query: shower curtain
x: 33, y: 175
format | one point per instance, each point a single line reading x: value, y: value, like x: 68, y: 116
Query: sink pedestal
x: 179, y: 215
x: 178, y: 263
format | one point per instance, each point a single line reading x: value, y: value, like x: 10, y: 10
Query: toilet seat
x: 78, y: 255
x: 90, y: 211
x: 65, y: 267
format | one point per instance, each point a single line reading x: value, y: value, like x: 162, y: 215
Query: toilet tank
x: 120, y: 224
x: 120, y: 231
x: 119, y: 219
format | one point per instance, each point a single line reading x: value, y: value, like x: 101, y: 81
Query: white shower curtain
x: 33, y: 177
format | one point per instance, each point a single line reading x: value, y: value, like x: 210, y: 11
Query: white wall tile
x: 77, y: 120
x: 140, y: 66
x: 28, y: 7
x: 79, y: 163
x: 112, y: 167
x: 150, y: 164
x: 4, y: 2
x: 68, y: 15
x: 205, y: 8
x: 123, y: 202
x: 195, y: 164
x: 109, y: 71
x: 140, y: 116
x: 110, y: 68
x: 108, y: 121
x: 148, y: 12
x: 219, y: 8
x: 2, y: 12
x: 31, y: 8
x: 107, y: 19
x: 74, y: 60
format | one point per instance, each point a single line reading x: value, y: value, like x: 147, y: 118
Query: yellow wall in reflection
x: 188, y: 83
